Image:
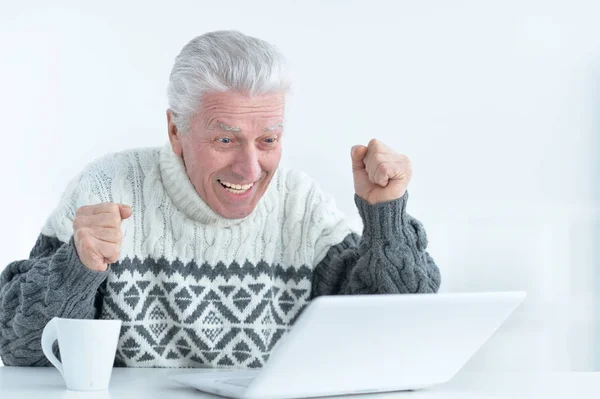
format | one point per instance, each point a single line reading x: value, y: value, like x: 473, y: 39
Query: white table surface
x: 46, y: 382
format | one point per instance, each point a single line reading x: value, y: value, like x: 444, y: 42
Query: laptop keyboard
x: 240, y: 382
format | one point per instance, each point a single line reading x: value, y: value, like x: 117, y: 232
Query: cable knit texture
x: 194, y: 289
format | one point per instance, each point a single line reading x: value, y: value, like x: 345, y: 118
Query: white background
x: 496, y: 102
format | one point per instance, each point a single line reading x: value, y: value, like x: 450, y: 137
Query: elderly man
x: 205, y: 249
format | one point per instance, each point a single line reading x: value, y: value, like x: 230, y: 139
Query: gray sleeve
x: 389, y: 258
x: 52, y: 282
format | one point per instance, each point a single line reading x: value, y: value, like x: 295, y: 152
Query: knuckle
x: 87, y: 244
x: 115, y: 253
x: 113, y: 208
x: 111, y: 220
x: 80, y: 234
x: 370, y: 172
x: 96, y: 208
x: 115, y: 219
x: 379, y: 158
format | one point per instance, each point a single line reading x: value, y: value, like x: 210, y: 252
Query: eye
x: 270, y: 140
x: 225, y: 140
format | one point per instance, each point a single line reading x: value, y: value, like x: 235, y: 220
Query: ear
x: 174, y: 134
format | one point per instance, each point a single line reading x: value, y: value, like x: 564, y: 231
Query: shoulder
x: 109, y: 178
x: 102, y: 173
x: 296, y: 182
x: 313, y: 212
x: 301, y: 190
x: 294, y: 185
x: 116, y: 163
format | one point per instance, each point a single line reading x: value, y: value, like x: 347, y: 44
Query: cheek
x: 201, y: 162
x: 270, y: 160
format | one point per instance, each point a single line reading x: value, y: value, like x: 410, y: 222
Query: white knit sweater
x: 194, y: 288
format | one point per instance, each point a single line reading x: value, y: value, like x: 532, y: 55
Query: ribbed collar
x: 186, y: 198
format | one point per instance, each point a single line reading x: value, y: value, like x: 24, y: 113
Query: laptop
x: 353, y: 344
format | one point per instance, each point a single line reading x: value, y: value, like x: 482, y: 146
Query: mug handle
x: 49, y: 336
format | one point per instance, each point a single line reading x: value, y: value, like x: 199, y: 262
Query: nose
x: 246, y: 165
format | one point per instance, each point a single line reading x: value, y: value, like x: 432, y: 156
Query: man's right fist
x: 97, y: 234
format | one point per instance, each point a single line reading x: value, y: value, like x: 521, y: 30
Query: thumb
x: 358, y: 153
x: 98, y: 263
x: 125, y: 211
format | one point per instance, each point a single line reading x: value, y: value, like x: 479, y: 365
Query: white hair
x: 219, y: 62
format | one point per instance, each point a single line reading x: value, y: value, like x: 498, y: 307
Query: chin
x: 229, y: 213
x: 232, y: 215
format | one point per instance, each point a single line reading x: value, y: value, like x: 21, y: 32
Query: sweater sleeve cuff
x: 67, y: 273
x: 383, y: 220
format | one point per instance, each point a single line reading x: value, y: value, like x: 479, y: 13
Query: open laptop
x: 368, y: 343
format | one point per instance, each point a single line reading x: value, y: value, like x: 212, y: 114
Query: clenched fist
x: 380, y: 173
x: 97, y: 234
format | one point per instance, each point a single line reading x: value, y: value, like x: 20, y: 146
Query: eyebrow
x: 274, y: 127
x: 228, y: 128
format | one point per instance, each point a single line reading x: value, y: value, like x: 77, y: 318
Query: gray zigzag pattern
x: 230, y: 324
x: 205, y: 270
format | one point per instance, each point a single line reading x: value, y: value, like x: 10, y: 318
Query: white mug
x: 87, y: 350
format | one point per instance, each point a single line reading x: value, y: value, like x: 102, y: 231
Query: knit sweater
x: 192, y: 288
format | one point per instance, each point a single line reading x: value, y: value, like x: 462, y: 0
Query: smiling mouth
x: 236, y: 188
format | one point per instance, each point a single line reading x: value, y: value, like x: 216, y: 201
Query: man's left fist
x: 380, y: 174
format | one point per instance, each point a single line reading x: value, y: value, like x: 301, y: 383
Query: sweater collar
x: 186, y: 198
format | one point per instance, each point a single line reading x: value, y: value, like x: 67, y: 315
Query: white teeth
x: 231, y: 190
x: 236, y: 188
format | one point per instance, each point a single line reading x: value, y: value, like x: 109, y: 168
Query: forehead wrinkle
x: 242, y: 102
x: 229, y: 108
x: 258, y: 111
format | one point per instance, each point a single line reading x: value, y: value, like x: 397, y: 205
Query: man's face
x: 232, y: 150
